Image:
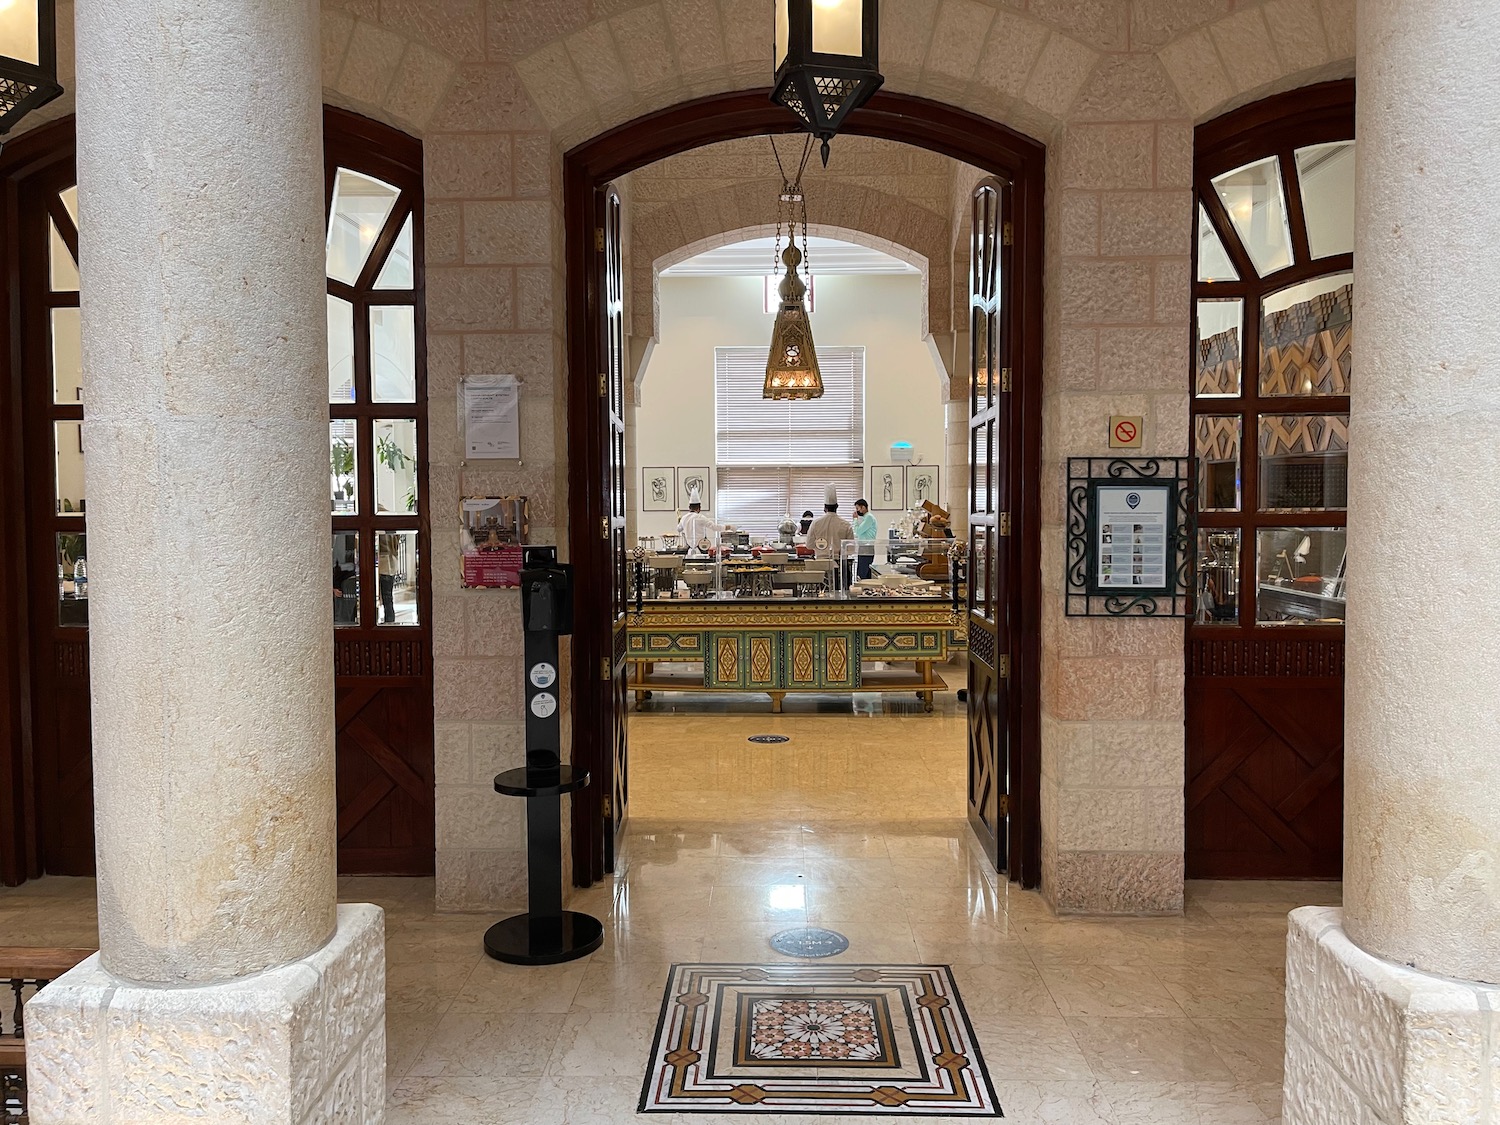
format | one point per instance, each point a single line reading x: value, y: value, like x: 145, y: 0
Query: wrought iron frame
x: 1085, y: 475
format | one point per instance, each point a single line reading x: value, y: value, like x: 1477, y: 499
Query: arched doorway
x: 1004, y: 735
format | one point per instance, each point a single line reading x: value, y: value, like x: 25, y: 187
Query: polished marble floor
x: 855, y: 824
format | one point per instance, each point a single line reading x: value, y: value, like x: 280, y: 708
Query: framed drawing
x: 690, y: 481
x: 922, y: 485
x: 887, y: 488
x: 659, y: 490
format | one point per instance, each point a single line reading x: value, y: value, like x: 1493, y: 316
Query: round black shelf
x: 537, y: 939
x: 541, y: 782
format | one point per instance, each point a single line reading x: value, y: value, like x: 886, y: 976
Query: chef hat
x: 831, y: 498
x: 695, y: 498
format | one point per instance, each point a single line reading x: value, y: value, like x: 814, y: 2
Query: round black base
x: 534, y: 939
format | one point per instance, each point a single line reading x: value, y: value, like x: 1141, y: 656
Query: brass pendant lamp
x: 792, y: 367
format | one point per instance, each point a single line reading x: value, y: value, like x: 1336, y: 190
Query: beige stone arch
x: 646, y: 323
x: 376, y: 71
x: 1254, y: 52
x: 980, y: 55
x: 868, y: 216
x: 371, y: 69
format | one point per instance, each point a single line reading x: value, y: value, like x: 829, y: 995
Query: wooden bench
x: 23, y: 970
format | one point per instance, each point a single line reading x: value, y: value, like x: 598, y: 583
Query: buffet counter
x: 787, y: 645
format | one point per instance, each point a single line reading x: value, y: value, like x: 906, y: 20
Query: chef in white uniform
x: 695, y: 527
x: 830, y: 531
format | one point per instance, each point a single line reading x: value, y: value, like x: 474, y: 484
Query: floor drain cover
x: 809, y: 942
x: 769, y: 738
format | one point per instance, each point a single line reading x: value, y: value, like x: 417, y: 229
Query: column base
x: 301, y: 1043
x: 1372, y: 1043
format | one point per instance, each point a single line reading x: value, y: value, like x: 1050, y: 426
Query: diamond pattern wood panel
x: 1265, y: 778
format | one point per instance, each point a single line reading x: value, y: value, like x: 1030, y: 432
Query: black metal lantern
x: 827, y: 60
x: 28, y: 58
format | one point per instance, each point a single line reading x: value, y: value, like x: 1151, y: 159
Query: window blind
x: 780, y: 457
x: 753, y: 430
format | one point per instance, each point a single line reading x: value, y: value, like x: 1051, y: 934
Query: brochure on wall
x: 1133, y: 529
x: 490, y: 413
x: 493, y: 533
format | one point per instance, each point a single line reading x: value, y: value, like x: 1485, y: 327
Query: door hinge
x: 1004, y: 523
x: 1004, y: 668
x: 1005, y: 378
x: 604, y: 669
x: 609, y: 809
x: 1007, y: 234
x: 1005, y: 804
x: 604, y: 528
x: 603, y: 386
x: 599, y: 238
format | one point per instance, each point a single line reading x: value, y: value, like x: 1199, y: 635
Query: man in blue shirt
x: 864, y: 534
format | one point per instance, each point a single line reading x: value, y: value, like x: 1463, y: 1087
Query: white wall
x: 881, y: 313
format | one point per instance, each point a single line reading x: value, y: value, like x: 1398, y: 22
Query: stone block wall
x: 498, y: 89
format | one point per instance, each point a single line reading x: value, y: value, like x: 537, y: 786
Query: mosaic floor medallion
x: 809, y: 941
x: 889, y: 1040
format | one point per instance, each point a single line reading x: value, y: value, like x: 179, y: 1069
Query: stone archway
x: 598, y: 640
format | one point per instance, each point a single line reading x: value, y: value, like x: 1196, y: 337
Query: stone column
x: 1387, y: 1018
x: 229, y: 985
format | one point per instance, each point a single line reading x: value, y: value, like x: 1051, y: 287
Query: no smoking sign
x: 1125, y: 432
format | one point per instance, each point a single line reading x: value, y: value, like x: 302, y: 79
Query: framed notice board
x: 1129, y: 536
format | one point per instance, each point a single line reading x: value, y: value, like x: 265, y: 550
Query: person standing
x: 695, y: 527
x: 388, y: 561
x: 830, y: 531
x: 865, y: 530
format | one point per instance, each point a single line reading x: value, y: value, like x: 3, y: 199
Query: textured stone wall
x: 498, y: 89
x: 1381, y: 1044
x: 302, y: 1044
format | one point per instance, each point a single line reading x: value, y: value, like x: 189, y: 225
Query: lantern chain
x: 794, y: 200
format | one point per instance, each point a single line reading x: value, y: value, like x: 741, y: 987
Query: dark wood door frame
x: 915, y: 121
x: 370, y: 663
x: 36, y: 153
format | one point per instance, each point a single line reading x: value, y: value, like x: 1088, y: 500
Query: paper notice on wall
x: 1133, y: 537
x: 491, y: 416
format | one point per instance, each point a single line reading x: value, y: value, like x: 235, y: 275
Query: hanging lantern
x: 792, y: 370
x: 827, y: 61
x: 28, y: 65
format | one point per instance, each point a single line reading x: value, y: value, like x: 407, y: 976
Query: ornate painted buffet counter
x: 781, y: 646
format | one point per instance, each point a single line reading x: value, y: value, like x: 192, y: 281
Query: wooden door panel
x: 1264, y: 778
x: 386, y: 814
x: 991, y: 445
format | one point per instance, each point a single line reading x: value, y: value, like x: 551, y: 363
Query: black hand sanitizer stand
x: 546, y: 934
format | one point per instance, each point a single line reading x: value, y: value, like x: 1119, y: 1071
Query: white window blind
x: 780, y: 457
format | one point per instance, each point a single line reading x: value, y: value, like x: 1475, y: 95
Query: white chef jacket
x: 832, y: 528
x: 695, y: 527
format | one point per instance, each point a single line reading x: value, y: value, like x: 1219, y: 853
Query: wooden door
x: 381, y: 557
x: 616, y: 788
x: 1270, y: 376
x: 990, y: 587
x: 52, y: 395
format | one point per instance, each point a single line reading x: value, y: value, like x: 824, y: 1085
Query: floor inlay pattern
x: 809, y: 941
x: 891, y: 1040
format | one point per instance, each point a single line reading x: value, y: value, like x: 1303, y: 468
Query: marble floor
x: 856, y: 825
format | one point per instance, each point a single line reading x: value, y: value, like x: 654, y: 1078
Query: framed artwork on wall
x: 691, y: 480
x: 659, y: 490
x: 922, y: 485
x: 887, y: 488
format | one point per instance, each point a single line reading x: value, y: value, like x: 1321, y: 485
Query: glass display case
x: 897, y: 567
x: 1300, y: 575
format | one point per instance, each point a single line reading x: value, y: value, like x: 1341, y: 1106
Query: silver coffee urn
x: 1219, y: 579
